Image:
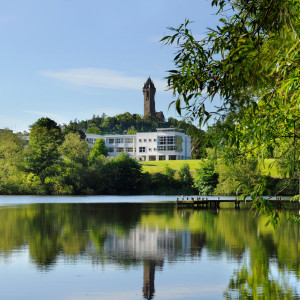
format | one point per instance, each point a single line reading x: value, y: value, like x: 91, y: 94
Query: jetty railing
x: 204, y: 202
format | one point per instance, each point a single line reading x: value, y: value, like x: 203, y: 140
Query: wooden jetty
x: 200, y: 202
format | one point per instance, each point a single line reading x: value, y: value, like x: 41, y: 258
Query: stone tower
x: 149, y: 101
x: 149, y: 98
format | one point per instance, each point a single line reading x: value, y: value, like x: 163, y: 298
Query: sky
x: 72, y: 59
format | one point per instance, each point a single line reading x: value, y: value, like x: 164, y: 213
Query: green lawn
x: 159, y: 166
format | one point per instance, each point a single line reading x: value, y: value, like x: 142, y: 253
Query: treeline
x: 125, y: 124
x: 132, y: 123
x: 61, y: 162
x: 216, y: 177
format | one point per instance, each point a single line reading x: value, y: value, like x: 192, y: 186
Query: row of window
x: 167, y: 148
x: 162, y: 140
x: 120, y: 140
x: 120, y: 149
x: 166, y: 140
x: 145, y: 140
x: 141, y: 149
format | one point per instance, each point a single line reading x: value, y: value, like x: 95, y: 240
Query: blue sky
x: 68, y: 59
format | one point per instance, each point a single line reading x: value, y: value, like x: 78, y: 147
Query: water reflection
x: 152, y: 235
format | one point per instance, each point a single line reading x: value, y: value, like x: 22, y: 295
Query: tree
x: 251, y: 62
x: 185, y: 175
x: 42, y: 152
x: 12, y: 179
x: 73, y: 127
x: 74, y: 172
x: 122, y: 175
x: 74, y: 149
x: 94, y: 130
x: 170, y: 173
x: 45, y: 123
x: 238, y: 177
x: 206, y: 179
x: 98, y: 149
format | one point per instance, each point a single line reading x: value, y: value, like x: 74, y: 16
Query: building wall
x: 165, y: 144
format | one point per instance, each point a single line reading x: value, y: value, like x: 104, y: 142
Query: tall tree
x: 98, y: 149
x: 42, y: 152
x: 251, y: 64
x: 11, y: 154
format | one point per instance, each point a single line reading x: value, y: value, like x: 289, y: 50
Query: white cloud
x: 58, y: 118
x: 103, y: 78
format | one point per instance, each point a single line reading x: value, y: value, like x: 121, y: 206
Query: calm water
x: 96, y: 248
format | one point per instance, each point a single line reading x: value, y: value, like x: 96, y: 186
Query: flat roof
x: 169, y: 129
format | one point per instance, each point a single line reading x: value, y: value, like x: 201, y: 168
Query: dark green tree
x: 250, y: 62
x: 42, y: 152
x: 73, y: 127
x: 206, y: 179
x: 185, y: 175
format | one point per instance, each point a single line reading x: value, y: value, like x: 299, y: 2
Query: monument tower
x: 149, y: 91
x: 149, y: 101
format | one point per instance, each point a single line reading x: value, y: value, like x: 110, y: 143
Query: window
x: 154, y: 149
x: 128, y: 140
x: 129, y: 149
x: 120, y: 149
x: 162, y: 157
x: 150, y: 140
x: 171, y: 148
x: 150, y: 149
x: 111, y: 141
x: 140, y: 140
x: 171, y: 140
x: 91, y: 141
x: 161, y: 148
x: 145, y: 140
x: 166, y: 140
x: 142, y: 149
x: 152, y: 158
x: 119, y: 141
x: 111, y: 150
x: 162, y: 140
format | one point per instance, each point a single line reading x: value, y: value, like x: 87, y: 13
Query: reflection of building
x: 148, y: 286
x: 164, y: 144
x: 150, y: 245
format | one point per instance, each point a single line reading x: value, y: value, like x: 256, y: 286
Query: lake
x: 142, y: 247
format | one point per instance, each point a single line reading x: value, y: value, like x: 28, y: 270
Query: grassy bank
x: 268, y: 168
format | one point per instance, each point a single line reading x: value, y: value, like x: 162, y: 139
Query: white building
x: 164, y: 144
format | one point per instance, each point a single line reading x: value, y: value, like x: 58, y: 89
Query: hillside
x: 159, y: 166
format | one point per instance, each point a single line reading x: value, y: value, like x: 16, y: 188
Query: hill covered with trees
x: 132, y: 123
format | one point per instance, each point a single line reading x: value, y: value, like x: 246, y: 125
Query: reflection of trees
x: 255, y: 283
x: 70, y: 230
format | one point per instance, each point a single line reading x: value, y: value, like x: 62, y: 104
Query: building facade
x: 164, y: 144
